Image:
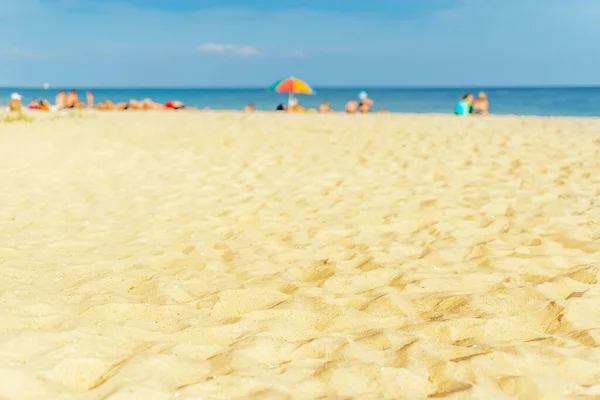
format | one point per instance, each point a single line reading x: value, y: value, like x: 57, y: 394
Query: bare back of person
x: 481, y: 104
x: 60, y: 99
x: 351, y: 106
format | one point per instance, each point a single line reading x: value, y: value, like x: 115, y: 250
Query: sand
x: 273, y: 256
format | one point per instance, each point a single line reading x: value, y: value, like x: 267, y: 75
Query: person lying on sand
x: 133, y: 104
x: 178, y: 105
x: 108, y: 105
x: 148, y: 104
x: 174, y: 105
x: 44, y: 105
x: 33, y: 104
x: 249, y: 107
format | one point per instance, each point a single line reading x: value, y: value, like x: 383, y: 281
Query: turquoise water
x: 584, y: 101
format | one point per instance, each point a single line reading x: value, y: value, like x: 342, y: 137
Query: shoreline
x: 34, y: 113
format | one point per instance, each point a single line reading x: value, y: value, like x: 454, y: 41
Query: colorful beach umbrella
x: 291, y: 85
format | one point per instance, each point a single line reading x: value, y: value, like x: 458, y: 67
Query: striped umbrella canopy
x: 291, y: 85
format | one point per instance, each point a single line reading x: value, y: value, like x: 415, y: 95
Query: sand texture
x: 274, y: 256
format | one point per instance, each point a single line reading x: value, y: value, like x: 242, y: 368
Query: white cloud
x: 229, y: 49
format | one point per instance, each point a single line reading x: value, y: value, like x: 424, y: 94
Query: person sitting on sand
x: 249, y: 107
x: 281, y: 107
x: 365, y: 102
x: 481, y: 104
x: 351, y: 106
x: 464, y: 105
x: 72, y: 101
x: 60, y: 100
x: 324, y: 107
x: 89, y: 99
x: 294, y: 106
x: 15, y: 102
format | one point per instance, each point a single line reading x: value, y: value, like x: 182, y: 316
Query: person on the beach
x: 324, y: 107
x: 281, y: 107
x: 60, y: 100
x: 72, y: 101
x: 90, y: 99
x: 133, y: 104
x: 174, y: 105
x: 15, y: 102
x: 464, y: 105
x: 294, y: 106
x: 33, y: 105
x: 481, y: 104
x: 148, y: 104
x: 351, y: 106
x: 365, y: 103
x: 108, y: 105
x: 249, y: 107
x: 44, y: 105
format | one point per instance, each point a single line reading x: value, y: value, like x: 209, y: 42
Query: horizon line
x: 256, y: 87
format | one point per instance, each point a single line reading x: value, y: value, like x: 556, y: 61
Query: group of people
x: 467, y: 104
x: 470, y: 105
x: 70, y: 100
x: 363, y: 105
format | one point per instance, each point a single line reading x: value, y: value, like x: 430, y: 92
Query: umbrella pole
x: 290, y: 96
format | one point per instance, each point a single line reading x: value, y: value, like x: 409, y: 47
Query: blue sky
x: 327, y: 42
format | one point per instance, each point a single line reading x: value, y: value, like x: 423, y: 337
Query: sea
x: 543, y: 101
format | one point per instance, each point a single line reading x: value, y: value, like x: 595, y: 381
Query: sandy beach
x: 273, y: 256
